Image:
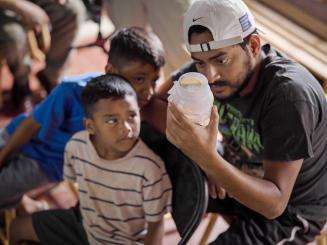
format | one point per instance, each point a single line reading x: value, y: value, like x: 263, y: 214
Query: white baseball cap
x: 229, y: 22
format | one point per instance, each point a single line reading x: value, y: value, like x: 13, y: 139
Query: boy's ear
x: 110, y: 69
x: 89, y: 125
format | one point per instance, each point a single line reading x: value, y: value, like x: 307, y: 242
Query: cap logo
x: 205, y: 47
x: 245, y: 22
x: 195, y: 19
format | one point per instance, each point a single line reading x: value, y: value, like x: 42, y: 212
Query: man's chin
x: 223, y: 96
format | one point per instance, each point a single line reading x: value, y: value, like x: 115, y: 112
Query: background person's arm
x: 32, y: 15
x: 23, y: 133
x: 46, y: 116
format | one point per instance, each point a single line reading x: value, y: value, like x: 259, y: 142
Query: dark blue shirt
x: 60, y: 116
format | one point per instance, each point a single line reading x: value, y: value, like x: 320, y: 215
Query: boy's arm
x: 70, y: 175
x: 69, y: 170
x: 23, y: 133
x: 46, y: 116
x: 157, y: 200
x: 155, y: 114
x: 155, y: 233
x: 163, y: 88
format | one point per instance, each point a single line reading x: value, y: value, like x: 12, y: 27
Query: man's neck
x: 254, y: 78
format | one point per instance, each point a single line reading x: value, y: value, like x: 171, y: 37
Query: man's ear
x: 89, y: 125
x: 255, y: 44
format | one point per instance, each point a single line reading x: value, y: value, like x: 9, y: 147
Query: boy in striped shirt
x: 123, y: 187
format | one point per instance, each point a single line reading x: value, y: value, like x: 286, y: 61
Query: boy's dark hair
x: 107, y: 86
x: 200, y: 29
x: 136, y: 44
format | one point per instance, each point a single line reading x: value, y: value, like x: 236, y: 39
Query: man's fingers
x: 173, y: 114
x: 173, y: 132
x: 216, y: 191
x: 221, y: 193
x: 212, y: 190
x: 178, y: 115
x: 172, y: 123
x: 214, y: 118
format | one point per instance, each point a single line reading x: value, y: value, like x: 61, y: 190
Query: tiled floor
x: 171, y: 236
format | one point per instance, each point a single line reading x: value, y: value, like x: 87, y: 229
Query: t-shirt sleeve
x: 156, y: 193
x: 187, y: 67
x: 50, y: 113
x: 69, y: 171
x: 287, y: 130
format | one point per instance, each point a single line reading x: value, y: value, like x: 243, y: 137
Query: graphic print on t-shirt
x: 242, y: 144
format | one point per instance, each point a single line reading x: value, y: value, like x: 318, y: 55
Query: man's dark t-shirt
x: 284, y: 118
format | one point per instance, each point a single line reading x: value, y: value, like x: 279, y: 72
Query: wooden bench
x: 8, y: 216
x: 292, y: 39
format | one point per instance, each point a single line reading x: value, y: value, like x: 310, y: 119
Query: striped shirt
x: 117, y: 198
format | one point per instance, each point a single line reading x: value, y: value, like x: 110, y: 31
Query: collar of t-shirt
x: 268, y: 54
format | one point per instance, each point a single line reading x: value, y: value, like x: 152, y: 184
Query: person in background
x: 63, y: 17
x: 162, y: 17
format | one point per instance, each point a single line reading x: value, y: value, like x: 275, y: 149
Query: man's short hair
x: 107, y: 86
x: 136, y: 44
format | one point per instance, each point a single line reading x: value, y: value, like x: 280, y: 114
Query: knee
x: 76, y: 11
x: 15, y: 36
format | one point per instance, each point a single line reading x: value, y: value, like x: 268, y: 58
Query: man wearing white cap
x: 273, y: 115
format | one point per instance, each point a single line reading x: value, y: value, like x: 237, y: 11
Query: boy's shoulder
x: 78, y: 141
x: 81, y: 79
x: 144, y: 153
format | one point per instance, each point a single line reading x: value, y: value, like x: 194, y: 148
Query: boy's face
x: 115, y: 125
x: 142, y: 77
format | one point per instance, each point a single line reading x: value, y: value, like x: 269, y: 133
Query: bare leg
x: 13, y: 48
x: 50, y: 196
x: 65, y: 21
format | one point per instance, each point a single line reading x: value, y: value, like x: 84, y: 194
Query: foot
x: 46, y: 83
